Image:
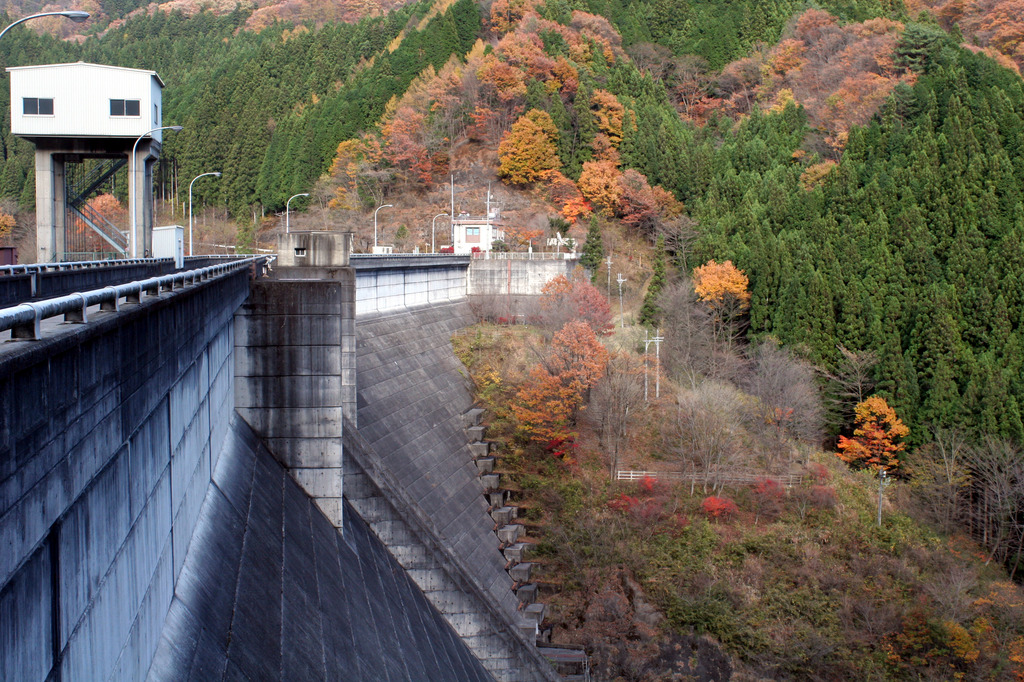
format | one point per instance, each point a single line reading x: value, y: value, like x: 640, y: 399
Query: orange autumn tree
x: 548, y: 403
x: 875, y: 439
x: 599, y: 183
x: 529, y: 149
x: 724, y: 287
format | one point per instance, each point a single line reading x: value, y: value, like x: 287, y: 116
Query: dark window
x: 38, y: 106
x: 124, y: 107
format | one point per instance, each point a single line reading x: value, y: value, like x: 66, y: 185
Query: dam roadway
x: 254, y: 469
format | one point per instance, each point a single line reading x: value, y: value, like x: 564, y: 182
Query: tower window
x: 124, y: 107
x: 37, y: 106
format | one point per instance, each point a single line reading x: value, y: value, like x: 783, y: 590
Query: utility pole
x: 881, y: 487
x: 608, y: 262
x: 622, y: 320
x: 656, y: 340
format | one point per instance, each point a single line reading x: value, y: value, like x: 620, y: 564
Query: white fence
x: 733, y: 478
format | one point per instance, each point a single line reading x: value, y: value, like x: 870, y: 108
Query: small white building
x: 75, y: 112
x: 476, y: 232
x: 84, y: 101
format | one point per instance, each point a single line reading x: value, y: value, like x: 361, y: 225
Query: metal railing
x: 519, y: 255
x: 24, y: 320
x: 32, y: 268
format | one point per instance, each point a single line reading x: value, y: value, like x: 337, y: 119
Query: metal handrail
x: 33, y: 268
x: 23, y: 321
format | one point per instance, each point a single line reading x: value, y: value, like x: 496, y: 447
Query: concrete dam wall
x: 411, y: 475
x: 108, y: 435
x: 271, y: 591
x: 161, y: 516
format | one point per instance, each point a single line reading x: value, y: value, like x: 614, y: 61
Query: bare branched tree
x: 787, y: 405
x: 939, y: 478
x: 997, y: 470
x: 617, y: 396
x: 692, y: 352
x: 850, y: 383
x: 705, y: 433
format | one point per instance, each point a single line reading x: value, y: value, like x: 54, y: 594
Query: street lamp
x: 432, y: 224
x: 217, y: 173
x: 375, y: 225
x: 131, y: 186
x: 287, y: 222
x: 74, y: 15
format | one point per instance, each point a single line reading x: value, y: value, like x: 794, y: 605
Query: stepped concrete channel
x: 169, y: 509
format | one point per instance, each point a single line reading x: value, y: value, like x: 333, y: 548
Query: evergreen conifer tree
x: 650, y: 313
x: 593, y: 249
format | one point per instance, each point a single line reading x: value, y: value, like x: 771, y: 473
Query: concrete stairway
x: 508, y: 531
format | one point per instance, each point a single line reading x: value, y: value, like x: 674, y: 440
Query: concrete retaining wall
x: 384, y: 284
x: 107, y: 440
x: 514, y: 277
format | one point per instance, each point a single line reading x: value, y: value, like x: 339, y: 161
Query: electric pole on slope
x: 656, y: 340
x: 622, y: 319
x: 608, y: 262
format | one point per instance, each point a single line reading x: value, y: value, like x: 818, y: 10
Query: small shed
x: 83, y: 100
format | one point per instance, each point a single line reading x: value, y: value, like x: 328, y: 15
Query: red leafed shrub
x: 622, y: 503
x: 447, y: 249
x: 718, y: 507
x: 822, y: 496
x: 768, y: 496
x: 769, y: 488
x: 476, y: 249
x: 647, y: 484
x: 819, y: 473
x: 562, y: 448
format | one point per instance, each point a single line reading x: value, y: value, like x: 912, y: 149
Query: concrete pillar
x: 49, y: 206
x: 146, y: 154
x: 295, y: 361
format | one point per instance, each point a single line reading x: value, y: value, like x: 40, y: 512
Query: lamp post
x: 74, y: 15
x: 375, y: 225
x: 433, y: 224
x: 131, y: 188
x: 217, y: 173
x: 287, y: 222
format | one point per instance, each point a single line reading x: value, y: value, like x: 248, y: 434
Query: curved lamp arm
x: 74, y: 15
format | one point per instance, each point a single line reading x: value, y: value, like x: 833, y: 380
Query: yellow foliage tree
x: 529, y: 150
x: 6, y: 225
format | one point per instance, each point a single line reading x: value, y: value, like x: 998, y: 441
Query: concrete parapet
x: 314, y: 249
